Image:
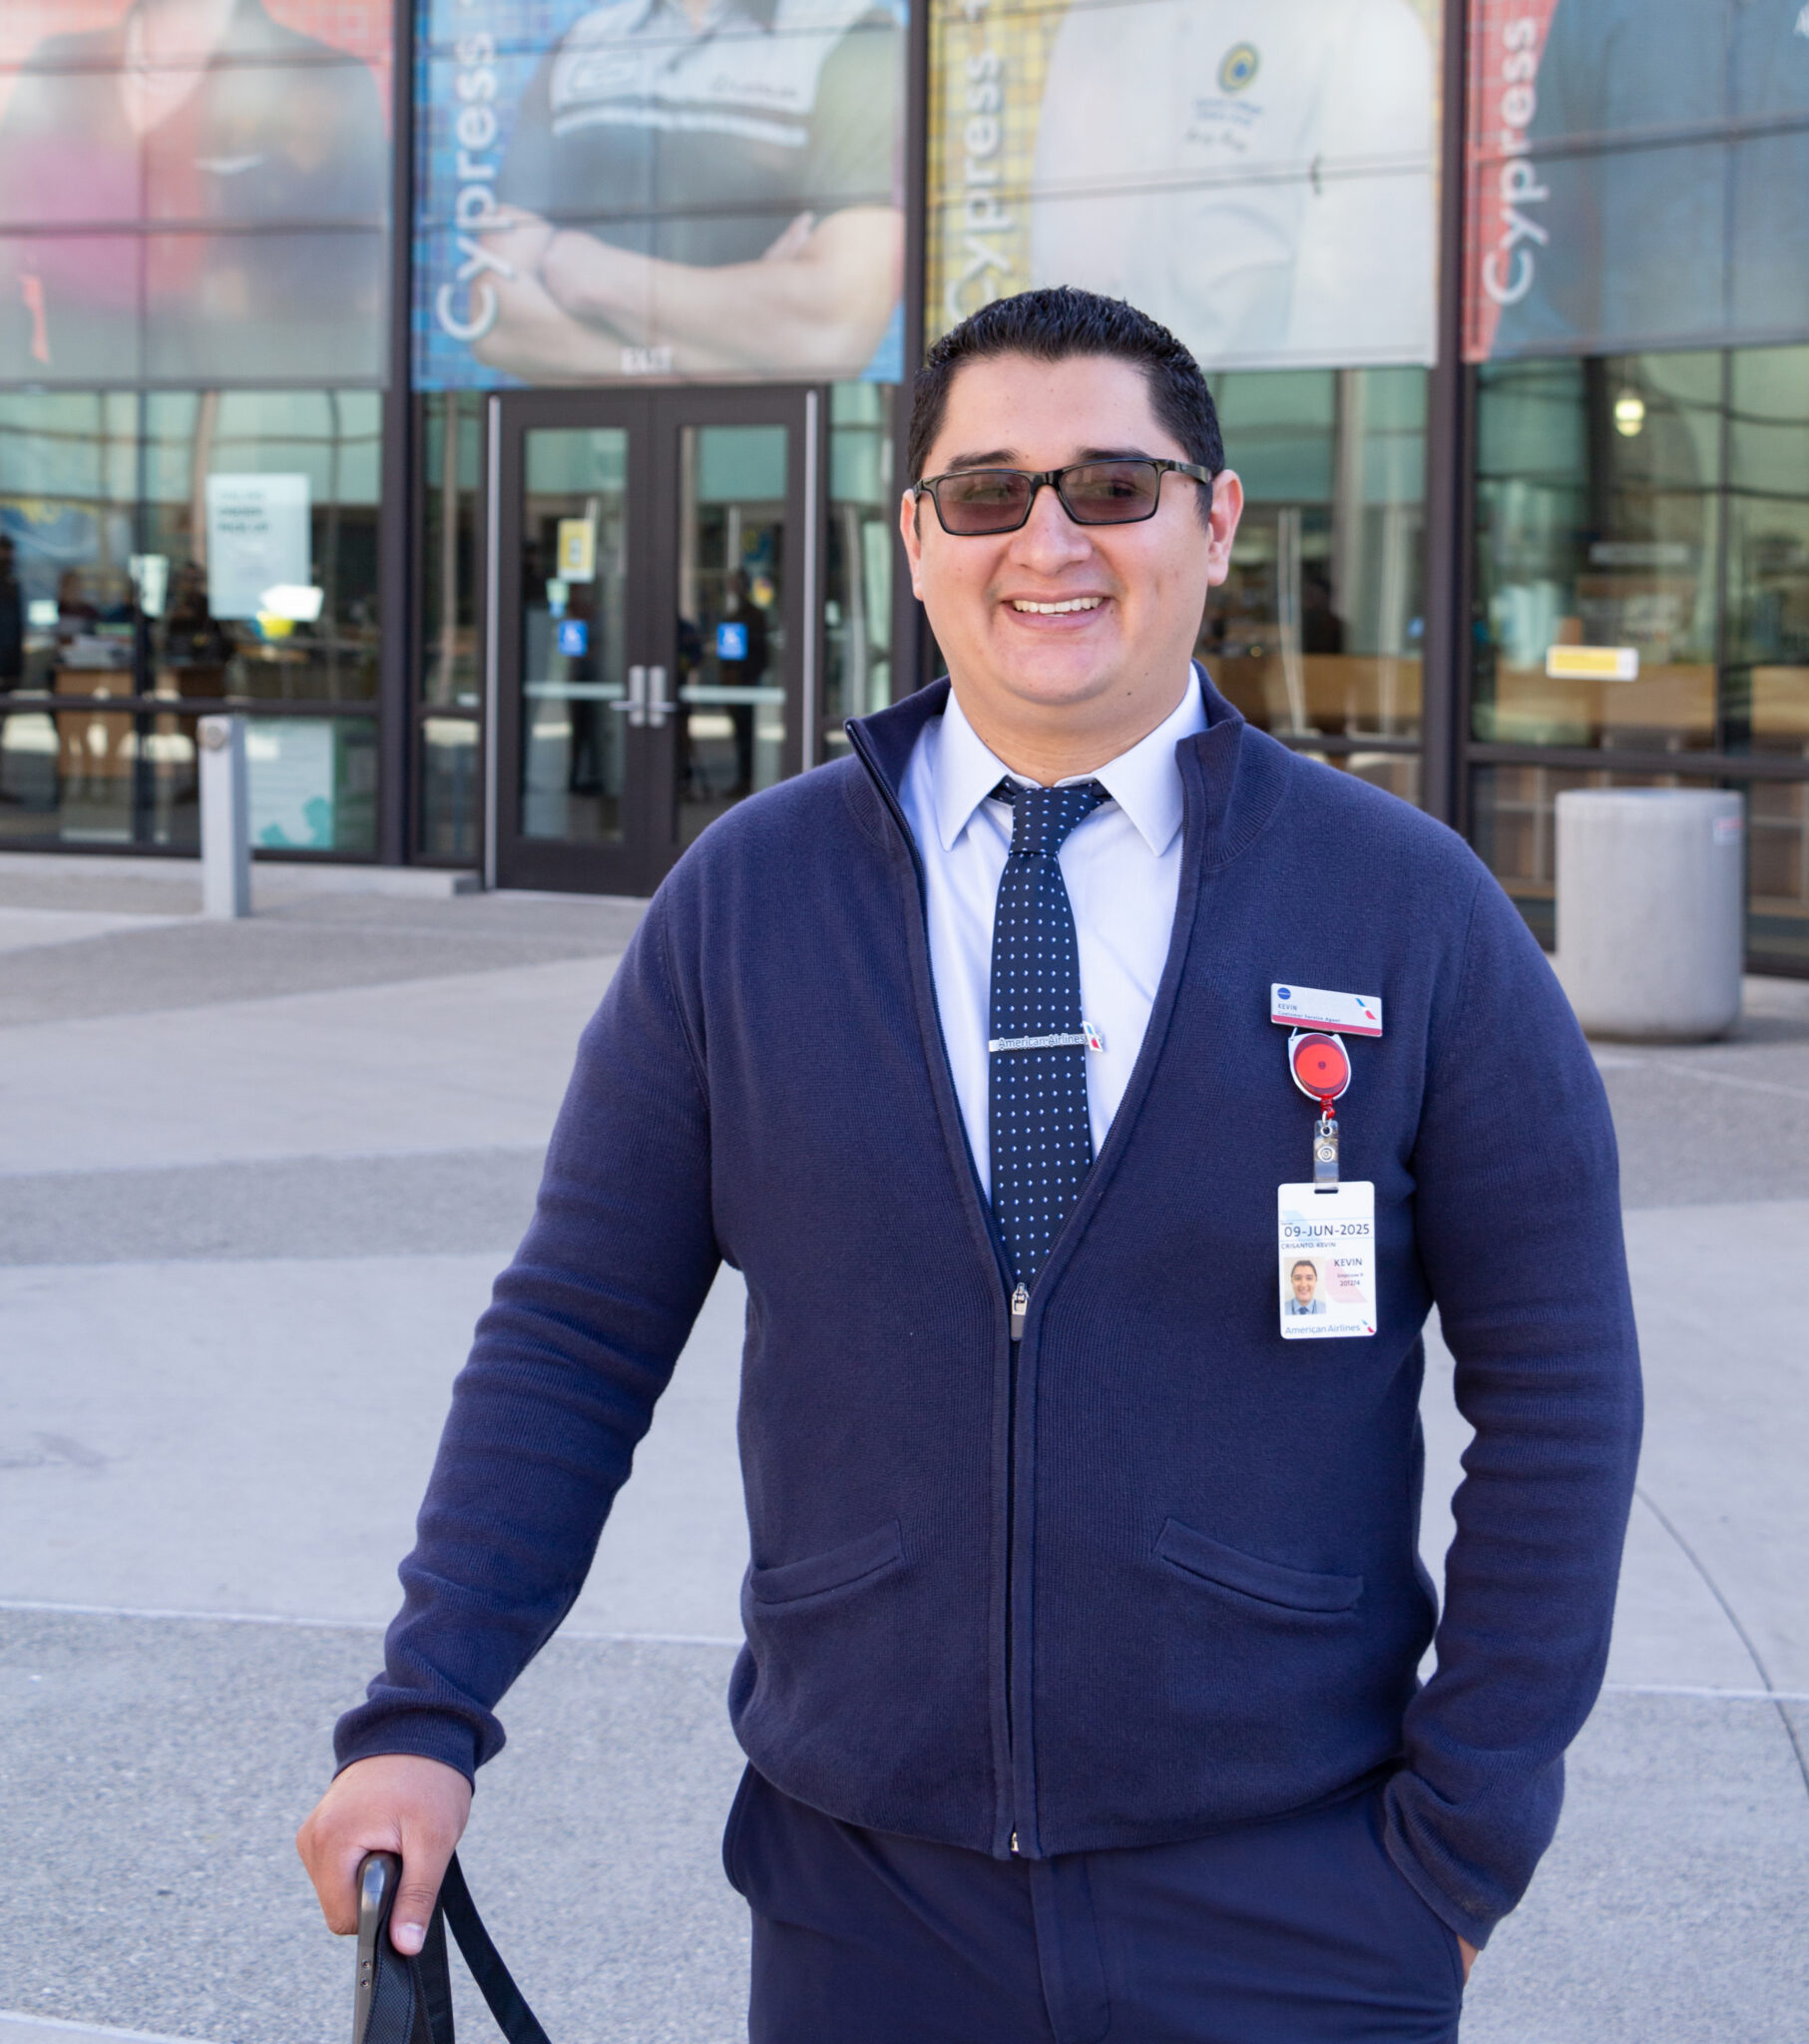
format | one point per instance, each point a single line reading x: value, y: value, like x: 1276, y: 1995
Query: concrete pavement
x: 255, y: 1180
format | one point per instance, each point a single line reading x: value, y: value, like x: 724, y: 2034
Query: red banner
x: 1504, y: 230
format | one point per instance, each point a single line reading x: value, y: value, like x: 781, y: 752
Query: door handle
x: 636, y: 703
x: 659, y: 704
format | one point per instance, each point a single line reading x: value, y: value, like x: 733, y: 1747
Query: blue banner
x: 648, y: 190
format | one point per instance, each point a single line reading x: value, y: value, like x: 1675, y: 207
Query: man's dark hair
x: 1050, y: 327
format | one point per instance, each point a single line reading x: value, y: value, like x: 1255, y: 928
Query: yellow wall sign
x: 576, y: 549
x: 1592, y: 663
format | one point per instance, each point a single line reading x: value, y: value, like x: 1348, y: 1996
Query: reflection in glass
x: 1317, y: 630
x: 122, y: 592
x: 97, y: 775
x: 721, y: 183
x: 263, y: 152
x: 1512, y: 825
x: 1767, y: 682
x: 105, y: 496
x: 451, y: 757
x: 731, y: 653
x: 573, y: 572
x: 449, y: 561
x: 1598, y: 523
x: 857, y: 605
x: 231, y: 308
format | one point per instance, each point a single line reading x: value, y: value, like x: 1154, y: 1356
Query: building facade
x: 500, y: 400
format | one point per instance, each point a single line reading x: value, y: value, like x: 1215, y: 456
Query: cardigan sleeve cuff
x: 1472, y: 1929
x: 428, y: 1735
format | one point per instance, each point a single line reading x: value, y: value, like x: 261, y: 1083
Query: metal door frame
x: 652, y: 419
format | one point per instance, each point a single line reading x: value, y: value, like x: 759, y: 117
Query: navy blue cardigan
x: 1168, y: 1581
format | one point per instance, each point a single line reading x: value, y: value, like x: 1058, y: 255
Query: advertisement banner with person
x: 662, y: 189
x: 1638, y: 175
x: 1260, y: 177
x: 194, y: 191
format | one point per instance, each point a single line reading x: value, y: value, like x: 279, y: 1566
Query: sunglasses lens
x: 1110, y: 492
x: 983, y: 500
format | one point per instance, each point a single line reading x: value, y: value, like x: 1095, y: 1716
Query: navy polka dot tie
x: 1042, y: 1139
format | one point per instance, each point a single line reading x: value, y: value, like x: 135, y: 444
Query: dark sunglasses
x: 974, y: 501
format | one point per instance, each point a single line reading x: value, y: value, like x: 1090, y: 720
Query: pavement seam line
x: 18, y: 2015
x: 1704, y: 1692
x: 53, y: 1609
x: 1733, y: 1619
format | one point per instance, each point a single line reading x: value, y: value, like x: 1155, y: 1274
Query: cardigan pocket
x: 793, y: 1581
x: 1269, y: 1581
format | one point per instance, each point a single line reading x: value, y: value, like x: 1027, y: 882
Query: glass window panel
x: 244, y: 307
x: 70, y: 308
x: 1769, y: 276
x: 250, y: 139
x: 762, y: 241
x: 574, y: 635
x: 1768, y: 554
x: 96, y: 775
x: 1512, y: 825
x: 1598, y: 527
x: 105, y: 498
x: 1318, y: 628
x: 451, y: 786
x: 1138, y: 150
x: 67, y: 150
x: 734, y: 663
x: 449, y: 565
x: 260, y: 145
x: 863, y: 514
x: 312, y: 784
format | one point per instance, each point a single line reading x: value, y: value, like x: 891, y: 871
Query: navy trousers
x: 1298, y: 1931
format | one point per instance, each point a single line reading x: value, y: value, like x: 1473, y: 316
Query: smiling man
x: 1085, y: 1613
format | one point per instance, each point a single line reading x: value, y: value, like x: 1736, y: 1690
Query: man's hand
x: 1469, y: 1951
x: 392, y: 1803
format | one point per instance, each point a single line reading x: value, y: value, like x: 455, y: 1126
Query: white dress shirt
x: 1122, y: 870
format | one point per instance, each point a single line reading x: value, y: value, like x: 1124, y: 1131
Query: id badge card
x: 1327, y: 1255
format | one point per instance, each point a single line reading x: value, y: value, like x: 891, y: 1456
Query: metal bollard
x: 1650, y: 914
x: 226, y: 819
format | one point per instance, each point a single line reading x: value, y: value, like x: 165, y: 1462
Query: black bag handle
x: 399, y: 2000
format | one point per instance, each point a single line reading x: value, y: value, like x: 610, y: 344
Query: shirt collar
x: 1145, y: 782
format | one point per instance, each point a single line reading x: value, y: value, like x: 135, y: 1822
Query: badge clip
x: 1321, y: 1068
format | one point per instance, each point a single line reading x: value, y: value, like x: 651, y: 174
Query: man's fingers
x: 332, y: 1863
x: 423, y: 1869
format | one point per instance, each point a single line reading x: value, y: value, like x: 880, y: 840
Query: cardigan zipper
x: 1017, y: 1303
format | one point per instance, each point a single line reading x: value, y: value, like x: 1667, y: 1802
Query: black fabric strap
x: 513, y: 2017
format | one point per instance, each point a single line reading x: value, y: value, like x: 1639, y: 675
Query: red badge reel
x: 1321, y: 1068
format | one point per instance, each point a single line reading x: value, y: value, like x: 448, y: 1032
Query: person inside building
x: 12, y: 619
x: 1281, y: 157
x: 1084, y: 1615
x: 211, y: 113
x: 704, y: 188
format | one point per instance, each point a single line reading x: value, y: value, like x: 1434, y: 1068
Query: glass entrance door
x: 650, y: 624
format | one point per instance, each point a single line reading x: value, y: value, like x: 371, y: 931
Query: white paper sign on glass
x: 258, y: 539
x: 1326, y: 1253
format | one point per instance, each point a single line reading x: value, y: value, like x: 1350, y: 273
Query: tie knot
x: 1042, y: 818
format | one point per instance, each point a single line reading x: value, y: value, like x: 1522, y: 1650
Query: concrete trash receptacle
x: 1650, y: 911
